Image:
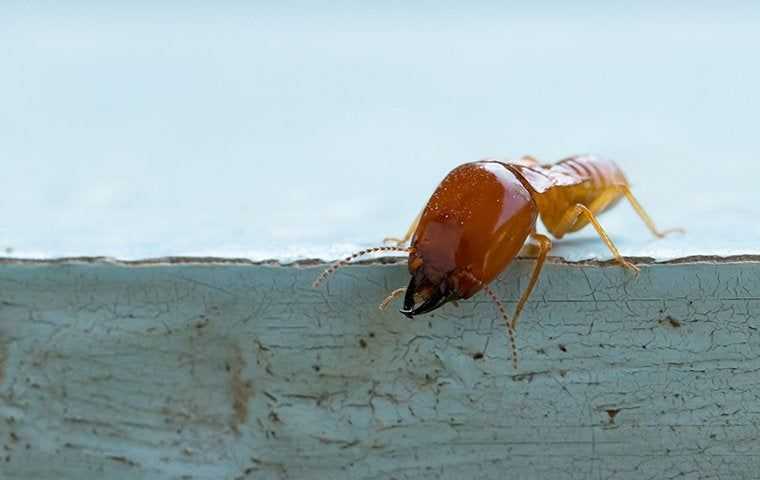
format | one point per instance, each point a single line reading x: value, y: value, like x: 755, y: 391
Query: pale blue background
x: 265, y: 131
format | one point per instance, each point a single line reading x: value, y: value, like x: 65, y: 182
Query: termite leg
x: 544, y: 245
x: 645, y: 217
x: 571, y: 216
x: 408, y: 235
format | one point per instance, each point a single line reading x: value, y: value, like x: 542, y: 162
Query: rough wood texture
x: 240, y: 371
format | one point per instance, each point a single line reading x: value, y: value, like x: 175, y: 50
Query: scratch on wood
x: 124, y: 460
x: 242, y: 390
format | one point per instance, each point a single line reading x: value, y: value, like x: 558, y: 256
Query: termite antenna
x: 329, y: 271
x: 510, y: 331
x: 503, y: 311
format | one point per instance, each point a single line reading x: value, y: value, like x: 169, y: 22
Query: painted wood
x: 210, y: 370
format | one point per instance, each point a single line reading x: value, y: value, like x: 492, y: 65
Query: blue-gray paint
x: 243, y: 371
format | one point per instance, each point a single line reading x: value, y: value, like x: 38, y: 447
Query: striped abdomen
x: 585, y: 179
x: 595, y: 173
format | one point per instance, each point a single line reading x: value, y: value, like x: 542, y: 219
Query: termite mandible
x: 480, y: 216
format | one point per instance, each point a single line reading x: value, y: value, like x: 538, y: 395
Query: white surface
x: 307, y: 131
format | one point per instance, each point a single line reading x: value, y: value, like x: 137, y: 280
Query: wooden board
x: 209, y: 371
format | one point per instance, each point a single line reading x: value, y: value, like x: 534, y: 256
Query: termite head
x: 472, y: 227
x: 474, y: 224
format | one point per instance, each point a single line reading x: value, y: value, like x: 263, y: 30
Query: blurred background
x: 308, y: 129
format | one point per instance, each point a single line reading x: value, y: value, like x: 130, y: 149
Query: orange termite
x: 481, y: 215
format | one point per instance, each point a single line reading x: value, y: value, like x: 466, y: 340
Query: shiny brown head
x: 473, y: 225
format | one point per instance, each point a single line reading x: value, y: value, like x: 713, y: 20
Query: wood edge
x: 314, y: 262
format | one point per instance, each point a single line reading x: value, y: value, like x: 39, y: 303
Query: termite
x: 480, y: 216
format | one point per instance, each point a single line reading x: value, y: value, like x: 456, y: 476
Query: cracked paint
x: 119, y: 370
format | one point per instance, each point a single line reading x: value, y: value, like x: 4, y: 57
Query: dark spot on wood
x: 523, y: 376
x: 672, y: 322
x: 362, y: 343
x: 248, y: 470
x: 562, y: 347
x: 371, y: 334
x: 612, y: 413
x: 477, y: 355
x: 241, y: 389
x: 14, y: 437
x: 316, y: 368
